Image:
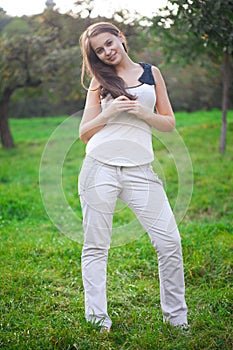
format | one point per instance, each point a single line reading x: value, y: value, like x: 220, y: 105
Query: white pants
x: 139, y: 187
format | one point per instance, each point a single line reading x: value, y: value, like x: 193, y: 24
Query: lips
x: 112, y: 58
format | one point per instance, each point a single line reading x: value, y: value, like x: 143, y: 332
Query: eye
x: 109, y: 43
x: 99, y: 51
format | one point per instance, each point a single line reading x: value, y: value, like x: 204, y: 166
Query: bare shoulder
x: 93, y: 95
x: 94, y: 84
x: 156, y: 73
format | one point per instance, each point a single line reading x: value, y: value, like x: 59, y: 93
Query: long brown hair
x: 110, y: 82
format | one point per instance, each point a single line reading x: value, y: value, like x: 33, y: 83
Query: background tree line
x: 40, y: 59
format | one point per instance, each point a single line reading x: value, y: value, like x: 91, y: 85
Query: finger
x: 122, y: 98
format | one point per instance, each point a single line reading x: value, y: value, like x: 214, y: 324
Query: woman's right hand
x: 94, y: 119
x: 118, y: 105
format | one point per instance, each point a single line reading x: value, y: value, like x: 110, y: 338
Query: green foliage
x: 4, y: 19
x: 17, y: 26
x: 194, y: 87
x: 42, y: 301
x: 213, y: 22
x: 193, y: 27
x: 40, y: 56
x: 23, y: 62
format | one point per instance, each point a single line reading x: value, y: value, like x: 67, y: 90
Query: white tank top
x: 126, y: 140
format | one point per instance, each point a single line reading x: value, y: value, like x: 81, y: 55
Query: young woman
x: 117, y: 127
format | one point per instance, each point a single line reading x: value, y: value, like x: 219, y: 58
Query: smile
x: 112, y: 58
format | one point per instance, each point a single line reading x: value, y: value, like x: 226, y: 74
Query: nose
x: 107, y: 51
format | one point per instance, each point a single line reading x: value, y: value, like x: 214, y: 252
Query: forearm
x: 164, y: 123
x: 89, y: 128
x: 91, y: 125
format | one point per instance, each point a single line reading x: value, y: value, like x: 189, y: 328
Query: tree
x: 193, y: 27
x: 30, y: 60
x: 4, y: 19
x: 24, y: 63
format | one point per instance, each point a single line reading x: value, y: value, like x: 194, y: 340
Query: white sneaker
x: 183, y: 327
x: 104, y: 329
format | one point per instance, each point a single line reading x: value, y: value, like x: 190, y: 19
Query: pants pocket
x: 153, y: 176
x: 86, y: 174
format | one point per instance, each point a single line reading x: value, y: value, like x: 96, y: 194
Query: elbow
x: 171, y: 124
x: 83, y: 137
x: 165, y: 122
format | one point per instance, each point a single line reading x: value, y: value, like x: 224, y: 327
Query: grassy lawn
x: 41, y: 292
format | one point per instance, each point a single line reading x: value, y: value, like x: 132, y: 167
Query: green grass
x: 41, y: 293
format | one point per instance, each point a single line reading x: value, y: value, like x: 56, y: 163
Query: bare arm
x: 92, y: 121
x: 164, y: 119
x: 163, y: 105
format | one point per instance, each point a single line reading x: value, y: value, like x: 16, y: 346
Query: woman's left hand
x: 137, y: 109
x: 158, y: 121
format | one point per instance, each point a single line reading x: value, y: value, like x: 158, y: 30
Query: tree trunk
x: 225, y: 93
x: 5, y: 133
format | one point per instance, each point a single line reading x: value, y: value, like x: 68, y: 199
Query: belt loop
x: 119, y: 170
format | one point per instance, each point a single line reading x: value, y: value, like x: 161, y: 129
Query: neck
x: 125, y: 64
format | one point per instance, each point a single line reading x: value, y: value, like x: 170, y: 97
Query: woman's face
x: 108, y: 48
